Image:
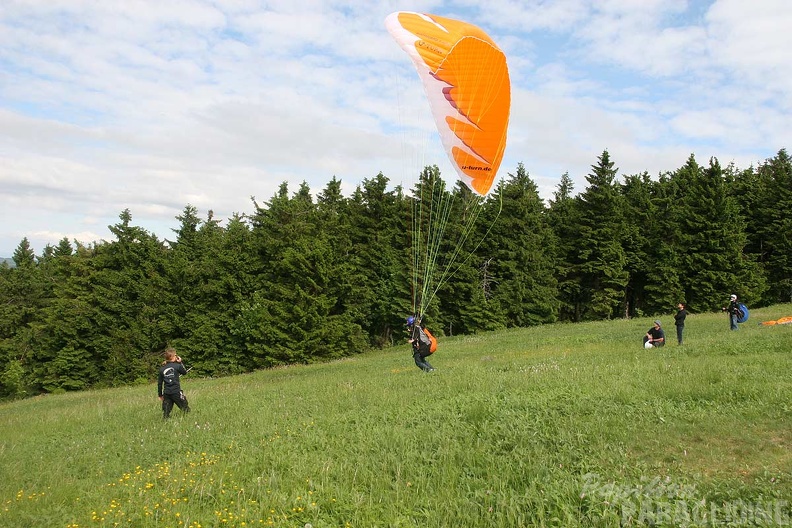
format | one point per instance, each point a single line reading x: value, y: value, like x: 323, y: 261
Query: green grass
x: 561, y: 425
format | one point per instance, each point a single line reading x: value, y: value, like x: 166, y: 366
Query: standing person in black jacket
x: 168, y: 387
x: 679, y: 320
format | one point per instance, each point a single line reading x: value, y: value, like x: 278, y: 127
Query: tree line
x: 304, y: 279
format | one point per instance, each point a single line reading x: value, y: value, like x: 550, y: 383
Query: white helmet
x: 648, y: 345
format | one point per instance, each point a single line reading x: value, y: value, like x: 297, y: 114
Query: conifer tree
x: 464, y: 306
x: 564, y: 220
x: 206, y: 290
x: 290, y: 319
x: 638, y: 241
x: 772, y: 223
x: 240, y: 282
x: 600, y: 252
x: 342, y: 325
x: 523, y: 286
x: 652, y: 262
x: 664, y: 290
x: 22, y: 295
x: 130, y: 293
x: 24, y: 256
x: 712, y: 238
x: 378, y: 221
x: 265, y: 320
x: 68, y: 357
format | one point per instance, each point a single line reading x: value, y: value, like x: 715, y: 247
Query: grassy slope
x: 561, y: 425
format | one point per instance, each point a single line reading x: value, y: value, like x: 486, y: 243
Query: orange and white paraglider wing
x: 467, y: 82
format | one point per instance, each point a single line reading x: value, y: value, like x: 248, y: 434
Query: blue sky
x: 151, y: 105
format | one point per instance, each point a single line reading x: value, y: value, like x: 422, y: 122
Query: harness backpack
x: 428, y: 340
x: 742, y: 313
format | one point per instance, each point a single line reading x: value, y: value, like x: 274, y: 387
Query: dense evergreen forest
x: 305, y: 279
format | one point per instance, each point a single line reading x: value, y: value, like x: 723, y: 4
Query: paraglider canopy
x: 466, y: 81
x: 465, y: 77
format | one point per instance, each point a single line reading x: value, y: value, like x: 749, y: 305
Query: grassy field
x: 561, y: 425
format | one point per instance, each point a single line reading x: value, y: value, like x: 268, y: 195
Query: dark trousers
x: 169, y: 399
x: 421, y: 363
x: 679, y: 333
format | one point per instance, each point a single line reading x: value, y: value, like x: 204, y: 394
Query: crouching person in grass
x: 168, y: 386
x: 655, y: 336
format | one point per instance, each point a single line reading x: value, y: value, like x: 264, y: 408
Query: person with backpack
x: 423, y: 344
x: 734, y: 312
x: 168, y: 386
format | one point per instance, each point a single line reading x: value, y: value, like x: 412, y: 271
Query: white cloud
x: 751, y: 41
x: 153, y: 105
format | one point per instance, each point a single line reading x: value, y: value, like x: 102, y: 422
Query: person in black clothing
x: 655, y: 336
x: 420, y: 346
x: 168, y: 386
x: 679, y: 320
x: 734, y: 312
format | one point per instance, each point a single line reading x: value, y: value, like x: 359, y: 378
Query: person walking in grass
x: 655, y: 336
x: 420, y: 344
x: 679, y: 320
x: 168, y: 385
x: 734, y: 312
